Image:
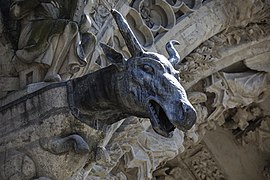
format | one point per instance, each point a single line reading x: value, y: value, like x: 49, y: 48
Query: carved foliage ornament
x: 209, y: 53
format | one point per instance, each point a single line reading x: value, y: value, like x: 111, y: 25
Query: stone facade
x: 225, y: 52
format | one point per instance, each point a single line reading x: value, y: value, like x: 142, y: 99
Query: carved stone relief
x: 143, y: 33
x: 99, y: 14
x: 157, y: 15
x: 17, y: 166
x: 59, y: 53
x: 196, y: 162
x: 250, y: 11
x: 256, y: 132
x: 207, y: 58
x: 233, y: 90
x: 254, y: 89
x: 155, y: 18
x: 76, y: 102
x: 226, y: 75
x: 134, y: 150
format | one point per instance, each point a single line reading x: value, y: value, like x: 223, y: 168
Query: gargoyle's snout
x: 181, y: 114
x: 166, y: 117
x: 189, y: 117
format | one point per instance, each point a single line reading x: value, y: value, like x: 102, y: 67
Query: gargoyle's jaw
x: 165, y: 119
x: 159, y: 120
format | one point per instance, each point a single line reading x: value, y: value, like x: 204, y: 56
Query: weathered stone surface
x: 225, y: 50
x: 43, y: 115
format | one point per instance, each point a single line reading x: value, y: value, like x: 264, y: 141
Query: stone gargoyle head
x: 148, y: 84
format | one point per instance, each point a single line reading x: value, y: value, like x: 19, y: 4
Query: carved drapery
x: 135, y: 146
x: 7, y: 70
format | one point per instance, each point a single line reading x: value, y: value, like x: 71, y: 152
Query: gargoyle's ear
x: 113, y: 56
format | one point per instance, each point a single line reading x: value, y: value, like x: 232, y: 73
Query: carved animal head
x: 149, y: 85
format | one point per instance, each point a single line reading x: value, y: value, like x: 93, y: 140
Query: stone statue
x: 54, y: 33
x: 60, y: 137
x: 146, y: 85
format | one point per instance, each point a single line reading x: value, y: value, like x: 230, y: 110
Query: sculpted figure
x: 55, y: 34
x: 146, y: 85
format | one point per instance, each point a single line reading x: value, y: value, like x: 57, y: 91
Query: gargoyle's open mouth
x: 159, y: 120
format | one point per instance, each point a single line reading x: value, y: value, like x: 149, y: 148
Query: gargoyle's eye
x: 148, y: 69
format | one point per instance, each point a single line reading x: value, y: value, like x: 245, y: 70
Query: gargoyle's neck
x: 95, y: 97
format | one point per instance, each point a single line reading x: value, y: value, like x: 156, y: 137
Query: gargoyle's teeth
x: 161, y: 123
x: 154, y: 112
x: 156, y: 116
x: 155, y: 109
x: 152, y: 107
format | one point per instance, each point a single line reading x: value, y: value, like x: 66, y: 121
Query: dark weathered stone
x: 146, y: 85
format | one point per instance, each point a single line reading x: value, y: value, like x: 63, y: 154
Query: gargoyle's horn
x: 129, y: 37
x: 174, y: 56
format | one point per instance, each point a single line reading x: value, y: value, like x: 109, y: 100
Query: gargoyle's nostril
x: 186, y: 108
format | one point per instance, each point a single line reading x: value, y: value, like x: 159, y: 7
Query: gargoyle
x: 145, y: 85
